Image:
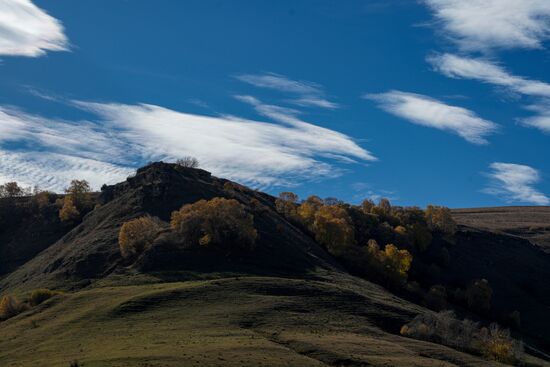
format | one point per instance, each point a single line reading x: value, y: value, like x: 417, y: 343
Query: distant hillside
x: 529, y: 222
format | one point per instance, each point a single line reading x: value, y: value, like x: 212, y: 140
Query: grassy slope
x: 251, y: 321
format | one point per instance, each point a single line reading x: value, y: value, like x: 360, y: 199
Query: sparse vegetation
x: 137, y: 235
x: 13, y: 190
x: 188, y: 161
x: 221, y: 223
x: 39, y: 296
x: 444, y: 328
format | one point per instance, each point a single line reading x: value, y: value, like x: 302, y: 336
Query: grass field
x: 227, y: 322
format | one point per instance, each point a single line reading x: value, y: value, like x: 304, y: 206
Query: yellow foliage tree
x: 333, y: 229
x: 69, y: 212
x: 308, y: 209
x: 440, y: 219
x: 136, y: 235
x: 287, y: 204
x: 219, y: 222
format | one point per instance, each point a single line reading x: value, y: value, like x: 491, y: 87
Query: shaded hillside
x: 91, y: 251
x: 529, y: 222
x: 27, y: 228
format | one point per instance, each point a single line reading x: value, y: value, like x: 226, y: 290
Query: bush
x: 10, y: 307
x: 220, y: 222
x: 444, y: 328
x: 41, y: 295
x: 498, y: 345
x: 136, y: 235
x: 436, y: 298
x: 188, y: 161
x: 478, y: 295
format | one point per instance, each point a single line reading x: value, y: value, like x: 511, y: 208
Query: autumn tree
x: 332, y: 228
x: 308, y: 209
x: 221, y: 223
x: 77, y: 201
x: 440, y: 219
x: 136, y: 235
x: 69, y: 212
x: 287, y: 204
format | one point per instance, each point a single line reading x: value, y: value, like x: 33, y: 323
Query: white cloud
x: 54, y: 171
x: 26, y: 30
x: 481, y: 25
x: 50, y: 152
x: 254, y: 152
x: 309, y: 94
x: 486, y: 71
x: 426, y: 111
x: 515, y: 183
x: 540, y: 121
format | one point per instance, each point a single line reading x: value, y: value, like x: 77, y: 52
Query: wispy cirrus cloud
x: 26, y: 30
x: 309, y: 94
x: 482, y: 25
x: 489, y: 72
x: 485, y: 71
x: 426, y: 111
x: 515, y: 183
x: 120, y: 137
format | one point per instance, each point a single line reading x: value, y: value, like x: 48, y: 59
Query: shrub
x: 220, y: 222
x: 136, y: 235
x: 478, y: 295
x: 498, y: 345
x: 10, y: 307
x: 422, y: 237
x: 436, y: 298
x: 41, y: 295
x: 332, y: 228
x: 439, y: 218
x: 493, y: 343
x: 188, y: 161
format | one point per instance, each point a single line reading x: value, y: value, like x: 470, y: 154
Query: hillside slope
x: 528, y: 222
x: 286, y: 303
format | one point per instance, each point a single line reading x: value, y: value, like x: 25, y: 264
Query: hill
x: 288, y: 302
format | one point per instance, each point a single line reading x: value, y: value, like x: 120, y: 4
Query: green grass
x: 225, y: 322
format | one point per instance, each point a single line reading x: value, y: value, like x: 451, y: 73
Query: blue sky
x: 430, y: 101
